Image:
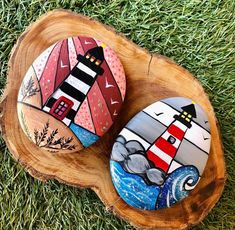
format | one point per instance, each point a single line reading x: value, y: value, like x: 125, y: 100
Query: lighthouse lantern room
x: 187, y: 114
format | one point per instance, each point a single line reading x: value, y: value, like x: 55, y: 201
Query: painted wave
x: 133, y: 189
x: 135, y: 192
x: 173, y: 190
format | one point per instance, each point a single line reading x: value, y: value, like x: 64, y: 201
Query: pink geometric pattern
x: 47, y: 80
x: 99, y: 110
x: 72, y: 53
x: 116, y: 68
x: 83, y: 117
x: 105, y: 97
x: 63, y: 65
x: 106, y: 82
x: 78, y: 46
x: 41, y: 61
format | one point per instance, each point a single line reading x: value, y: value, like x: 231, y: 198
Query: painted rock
x: 71, y: 94
x: 160, y: 155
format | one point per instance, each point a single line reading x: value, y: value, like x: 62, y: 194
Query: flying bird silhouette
x: 158, y: 114
x: 114, y: 102
x: 107, y: 85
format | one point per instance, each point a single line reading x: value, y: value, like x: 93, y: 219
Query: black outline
x: 75, y: 48
x: 132, y: 140
x: 44, y: 71
x: 66, y: 41
x: 74, y: 98
x: 137, y: 135
x: 153, y: 117
x: 184, y: 138
x: 38, y: 85
x: 112, y: 116
x: 72, y: 91
x: 84, y: 129
x: 57, y: 67
x: 177, y: 162
x: 82, y: 76
x: 47, y: 58
x: 58, y: 120
x: 90, y: 113
x: 68, y: 54
x: 192, y: 119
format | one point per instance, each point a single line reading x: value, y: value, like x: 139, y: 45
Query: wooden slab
x: 149, y: 78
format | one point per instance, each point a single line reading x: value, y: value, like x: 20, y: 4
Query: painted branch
x: 149, y: 78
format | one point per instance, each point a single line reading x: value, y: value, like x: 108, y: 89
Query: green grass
x: 197, y: 34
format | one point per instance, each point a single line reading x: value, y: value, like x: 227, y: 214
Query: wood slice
x: 149, y: 78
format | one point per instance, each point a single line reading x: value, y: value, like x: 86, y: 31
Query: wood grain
x: 149, y: 78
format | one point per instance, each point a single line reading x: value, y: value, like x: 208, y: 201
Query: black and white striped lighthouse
x: 66, y: 100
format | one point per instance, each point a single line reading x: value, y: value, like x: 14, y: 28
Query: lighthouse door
x: 61, y: 107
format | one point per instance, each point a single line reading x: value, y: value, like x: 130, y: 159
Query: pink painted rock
x: 71, y: 94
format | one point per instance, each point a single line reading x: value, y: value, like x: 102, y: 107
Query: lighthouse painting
x: 71, y: 94
x: 160, y: 155
x: 164, y: 149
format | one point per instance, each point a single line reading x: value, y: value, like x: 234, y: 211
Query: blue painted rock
x: 71, y: 94
x: 160, y: 155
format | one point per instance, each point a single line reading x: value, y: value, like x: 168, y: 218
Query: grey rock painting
x: 131, y: 155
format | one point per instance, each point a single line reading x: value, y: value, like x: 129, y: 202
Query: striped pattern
x: 75, y: 88
x: 63, y: 66
x: 86, y: 69
x: 194, y: 134
x: 106, y: 79
x: 130, y: 135
x: 168, y: 163
x: 188, y: 153
x: 49, y: 73
x: 163, y: 151
x: 82, y: 76
x: 78, y: 84
x: 59, y: 64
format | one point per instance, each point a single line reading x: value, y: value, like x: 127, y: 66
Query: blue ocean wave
x: 173, y: 189
x: 135, y: 192
x: 133, y: 189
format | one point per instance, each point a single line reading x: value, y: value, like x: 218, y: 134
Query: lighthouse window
x: 171, y: 139
x: 97, y: 62
x: 185, y: 113
x: 88, y: 56
x: 183, y: 116
x: 61, y: 108
x: 92, y: 59
x: 189, y: 115
x: 187, y: 119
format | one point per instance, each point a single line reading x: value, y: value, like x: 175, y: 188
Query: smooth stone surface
x: 160, y: 155
x: 71, y: 94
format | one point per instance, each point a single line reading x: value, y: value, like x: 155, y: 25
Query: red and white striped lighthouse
x: 165, y: 147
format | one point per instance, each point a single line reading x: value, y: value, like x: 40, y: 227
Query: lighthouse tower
x: 164, y: 149
x: 64, y: 103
